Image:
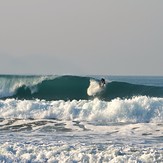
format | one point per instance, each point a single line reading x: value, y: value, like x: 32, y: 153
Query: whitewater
x: 72, y: 119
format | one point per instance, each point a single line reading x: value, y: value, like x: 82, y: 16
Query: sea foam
x: 64, y: 152
x: 136, y: 109
x: 94, y: 88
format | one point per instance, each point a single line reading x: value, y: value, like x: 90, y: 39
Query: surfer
x: 102, y: 82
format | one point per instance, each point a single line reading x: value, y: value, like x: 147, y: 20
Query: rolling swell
x: 75, y: 87
x: 127, y: 90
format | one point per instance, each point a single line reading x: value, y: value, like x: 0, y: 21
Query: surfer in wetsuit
x: 102, y: 82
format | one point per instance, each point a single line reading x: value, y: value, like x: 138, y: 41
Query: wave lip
x: 10, y: 84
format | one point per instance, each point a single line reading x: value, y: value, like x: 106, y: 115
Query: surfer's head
x: 102, y: 82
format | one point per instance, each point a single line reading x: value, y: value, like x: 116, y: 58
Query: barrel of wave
x: 95, y: 87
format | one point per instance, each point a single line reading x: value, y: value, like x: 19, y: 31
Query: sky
x: 87, y: 37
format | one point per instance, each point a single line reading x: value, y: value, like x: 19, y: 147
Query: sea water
x: 73, y: 119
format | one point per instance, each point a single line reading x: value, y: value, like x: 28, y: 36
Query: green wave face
x: 61, y: 88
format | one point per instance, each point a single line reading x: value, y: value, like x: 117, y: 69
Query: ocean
x: 72, y: 119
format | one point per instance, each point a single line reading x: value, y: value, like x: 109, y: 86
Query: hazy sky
x: 108, y: 37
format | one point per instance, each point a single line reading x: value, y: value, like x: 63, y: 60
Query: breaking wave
x: 137, y: 109
x: 70, y: 88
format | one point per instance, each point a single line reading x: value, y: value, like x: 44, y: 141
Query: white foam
x: 65, y: 152
x: 93, y: 88
x: 136, y: 109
